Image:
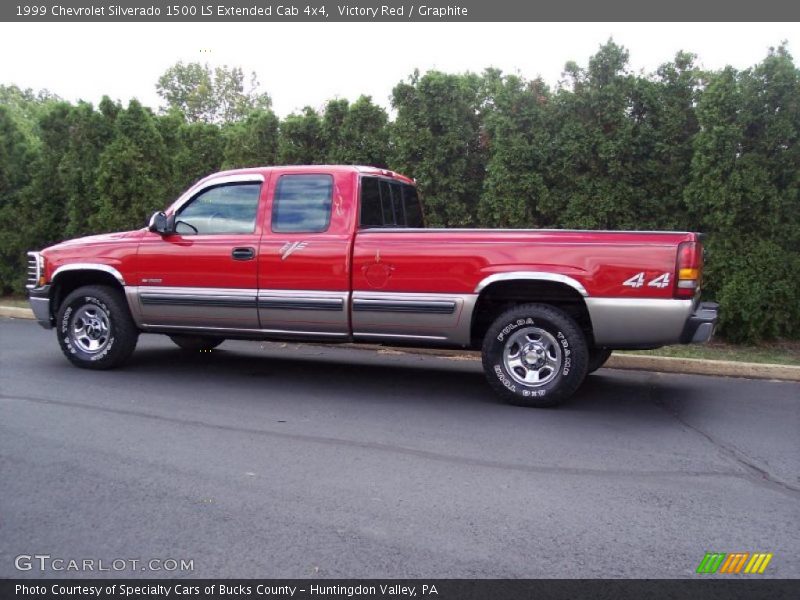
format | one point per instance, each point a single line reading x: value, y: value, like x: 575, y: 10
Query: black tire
x: 597, y: 358
x: 196, y: 343
x: 541, y: 333
x: 95, y: 328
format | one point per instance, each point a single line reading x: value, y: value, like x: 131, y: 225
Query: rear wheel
x: 597, y: 358
x: 535, y: 355
x: 95, y: 328
x: 196, y: 343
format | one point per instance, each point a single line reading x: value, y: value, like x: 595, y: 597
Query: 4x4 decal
x: 637, y: 281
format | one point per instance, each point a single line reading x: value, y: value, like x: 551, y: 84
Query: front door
x: 204, y: 276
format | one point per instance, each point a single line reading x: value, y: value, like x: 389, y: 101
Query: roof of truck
x: 366, y: 170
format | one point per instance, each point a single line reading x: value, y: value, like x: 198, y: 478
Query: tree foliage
x: 301, y: 140
x: 252, y: 142
x: 26, y: 107
x: 16, y: 154
x: 355, y: 133
x: 218, y: 95
x: 680, y: 148
x: 132, y: 174
x: 437, y: 137
x: 745, y: 191
x: 519, y: 146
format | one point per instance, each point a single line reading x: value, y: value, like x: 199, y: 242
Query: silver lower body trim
x: 305, y: 310
x: 425, y: 307
x: 442, y: 319
x: 263, y: 312
x: 392, y: 316
x: 256, y: 334
x: 132, y: 296
x: 41, y: 310
x: 638, y: 322
x: 193, y: 307
x: 372, y: 337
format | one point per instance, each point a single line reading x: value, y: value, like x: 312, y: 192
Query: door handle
x: 243, y: 253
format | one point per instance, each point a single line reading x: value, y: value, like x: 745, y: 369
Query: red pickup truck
x: 341, y: 253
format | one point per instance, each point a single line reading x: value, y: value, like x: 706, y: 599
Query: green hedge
x: 680, y: 148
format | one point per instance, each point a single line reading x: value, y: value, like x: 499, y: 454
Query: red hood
x: 91, y: 240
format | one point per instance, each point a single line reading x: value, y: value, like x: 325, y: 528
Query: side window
x: 387, y: 203
x: 223, y: 209
x: 397, y: 204
x: 302, y: 203
x: 412, y: 207
x: 371, y: 209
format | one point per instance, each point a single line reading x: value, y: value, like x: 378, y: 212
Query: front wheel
x: 95, y: 328
x: 535, y: 355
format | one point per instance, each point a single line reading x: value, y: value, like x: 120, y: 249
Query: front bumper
x: 701, y: 324
x: 39, y: 299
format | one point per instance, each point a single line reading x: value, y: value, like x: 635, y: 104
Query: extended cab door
x: 304, y: 258
x: 404, y: 288
x: 204, y: 276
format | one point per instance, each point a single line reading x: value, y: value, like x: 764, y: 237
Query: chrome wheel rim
x: 532, y: 356
x: 89, y: 328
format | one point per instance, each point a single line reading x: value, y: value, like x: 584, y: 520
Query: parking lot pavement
x: 288, y: 460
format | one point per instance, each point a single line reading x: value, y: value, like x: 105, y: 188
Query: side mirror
x: 160, y: 223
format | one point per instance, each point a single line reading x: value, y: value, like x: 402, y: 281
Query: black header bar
x: 397, y: 11
x: 396, y: 589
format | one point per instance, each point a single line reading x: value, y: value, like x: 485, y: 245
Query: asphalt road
x: 283, y: 460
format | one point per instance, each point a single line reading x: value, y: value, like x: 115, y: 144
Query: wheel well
x: 500, y: 296
x: 68, y: 282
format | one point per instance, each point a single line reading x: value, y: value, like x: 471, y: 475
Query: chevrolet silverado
x: 341, y: 253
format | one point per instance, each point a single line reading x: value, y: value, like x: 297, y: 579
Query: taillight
x: 688, y: 269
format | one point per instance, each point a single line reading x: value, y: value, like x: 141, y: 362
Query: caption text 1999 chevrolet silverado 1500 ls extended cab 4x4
x: 340, y: 253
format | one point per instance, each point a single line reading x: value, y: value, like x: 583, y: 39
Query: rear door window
x: 302, y: 204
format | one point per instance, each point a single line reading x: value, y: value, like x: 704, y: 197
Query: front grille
x: 34, y: 270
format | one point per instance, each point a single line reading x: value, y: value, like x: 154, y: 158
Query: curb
x: 702, y: 366
x: 633, y: 362
x: 16, y: 312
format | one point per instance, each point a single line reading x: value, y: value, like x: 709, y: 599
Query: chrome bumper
x: 39, y: 299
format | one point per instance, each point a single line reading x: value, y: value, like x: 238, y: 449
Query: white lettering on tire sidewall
x: 67, y: 341
x: 567, y: 364
x: 500, y: 373
x: 512, y: 326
